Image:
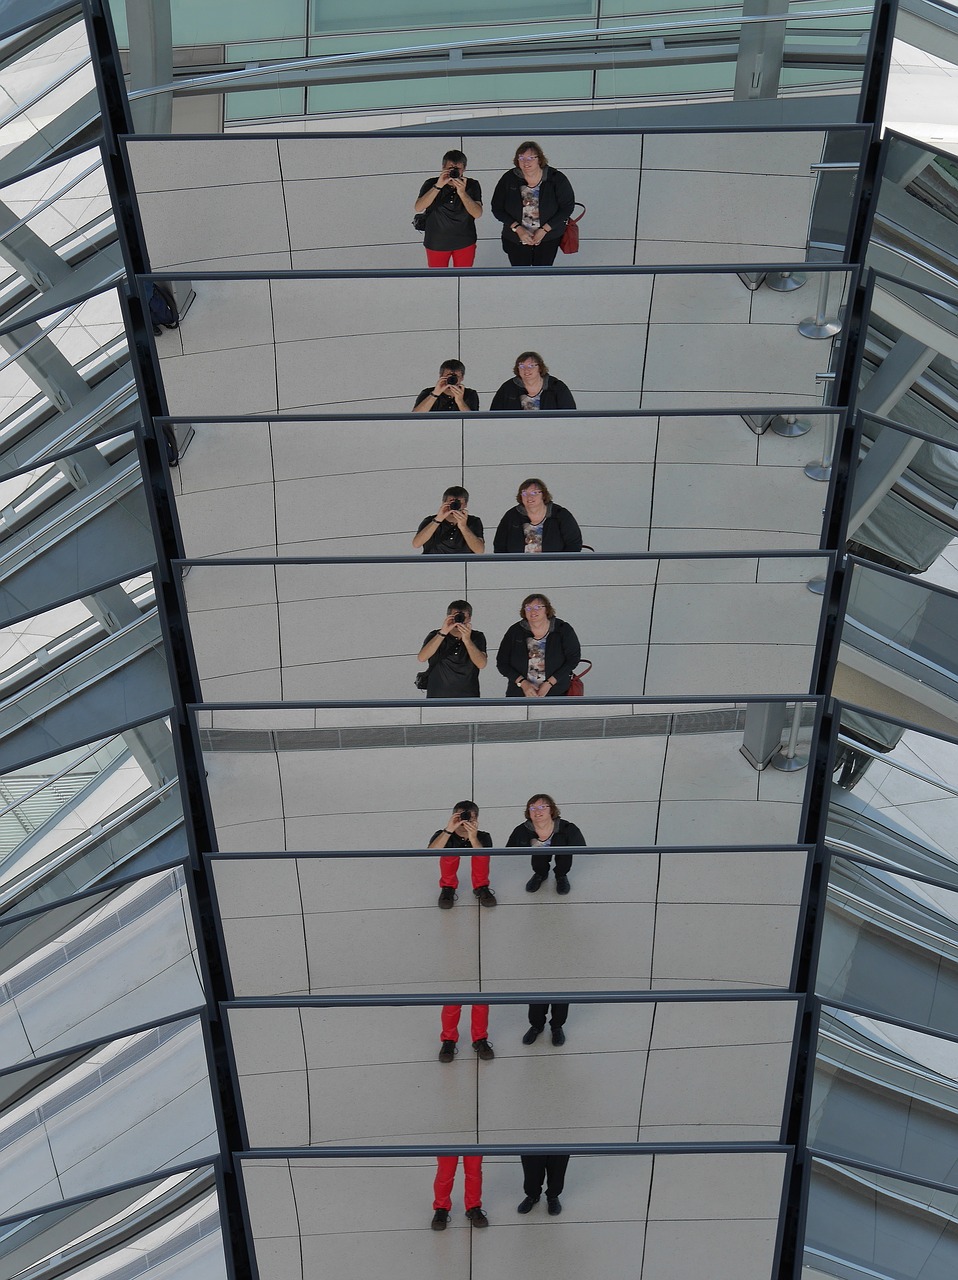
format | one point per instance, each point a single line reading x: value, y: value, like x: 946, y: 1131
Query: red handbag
x: 576, y: 688
x: 569, y: 240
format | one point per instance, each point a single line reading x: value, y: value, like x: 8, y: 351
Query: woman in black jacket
x: 538, y: 654
x: 533, y: 202
x: 537, y: 524
x: 532, y: 387
x: 544, y: 831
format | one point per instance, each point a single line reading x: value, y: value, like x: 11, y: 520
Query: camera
x: 455, y: 172
x: 455, y: 504
x: 452, y: 379
x: 459, y: 616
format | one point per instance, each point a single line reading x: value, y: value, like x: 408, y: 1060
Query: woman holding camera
x: 533, y: 202
x: 536, y: 524
x: 450, y: 205
x: 539, y: 653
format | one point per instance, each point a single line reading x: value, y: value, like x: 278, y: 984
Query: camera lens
x: 455, y: 505
x: 459, y: 617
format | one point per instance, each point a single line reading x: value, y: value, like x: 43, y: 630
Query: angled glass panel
x: 89, y: 816
x: 865, y: 1223
x: 377, y: 778
x: 900, y: 636
x: 632, y: 483
x: 168, y: 1228
x: 636, y: 919
x: 72, y: 524
x: 746, y: 198
x: 646, y: 1072
x: 893, y: 796
x: 885, y: 1094
x: 97, y: 964
x: 358, y: 630
x: 915, y: 232
x: 890, y: 943
x: 634, y: 340
x: 115, y: 1111
x: 97, y: 660
x: 313, y: 1213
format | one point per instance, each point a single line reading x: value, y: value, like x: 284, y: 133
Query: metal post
x: 784, y: 281
x: 790, y: 425
x: 785, y: 760
x: 820, y: 326
x: 822, y: 470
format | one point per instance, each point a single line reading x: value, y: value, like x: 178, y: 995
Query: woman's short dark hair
x: 530, y: 146
x: 456, y: 491
x: 541, y: 795
x: 537, y: 595
x: 457, y: 157
x: 530, y: 355
x: 546, y: 495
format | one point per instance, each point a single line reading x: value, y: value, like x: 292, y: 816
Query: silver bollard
x: 784, y: 281
x: 820, y: 326
x: 822, y: 470
x: 790, y: 425
x: 786, y: 760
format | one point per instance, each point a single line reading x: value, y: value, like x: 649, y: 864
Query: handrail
x: 452, y: 47
x: 45, y: 204
x: 895, y: 764
x: 38, y: 97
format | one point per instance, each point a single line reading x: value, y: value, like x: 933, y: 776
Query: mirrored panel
x: 862, y: 1222
x: 246, y: 203
x: 635, y: 919
x: 904, y: 503
x: 885, y: 1094
x: 630, y: 340
x: 908, y: 371
x: 169, y: 1228
x: 72, y: 524
x: 890, y: 943
x: 115, y: 1111
x: 899, y: 636
x: 360, y: 629
x: 310, y: 1217
x: 305, y: 778
x: 641, y: 1072
x: 630, y: 483
x: 893, y: 796
x: 97, y: 964
x: 88, y: 816
x: 915, y: 230
x: 97, y: 660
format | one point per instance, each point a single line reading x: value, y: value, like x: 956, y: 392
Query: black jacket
x: 556, y: 202
x: 563, y: 655
x: 560, y: 531
x: 564, y: 835
x: 554, y: 395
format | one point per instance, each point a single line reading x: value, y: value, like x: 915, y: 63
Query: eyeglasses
x: 538, y: 808
x: 530, y: 493
x: 534, y: 608
x: 528, y: 364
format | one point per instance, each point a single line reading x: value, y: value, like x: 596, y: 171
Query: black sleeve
x: 475, y: 524
x: 473, y: 190
x: 571, y: 653
x: 479, y: 640
x: 485, y: 839
x: 500, y: 544
x: 471, y: 398
x: 499, y: 198
x: 502, y: 399
x: 430, y: 182
x: 574, y: 835
x: 504, y: 657
x: 423, y: 523
x: 569, y: 530
x: 565, y: 200
x: 564, y: 397
x: 426, y: 391
x: 516, y: 840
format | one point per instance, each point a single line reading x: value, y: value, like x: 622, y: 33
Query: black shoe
x: 447, y: 898
x: 485, y: 895
x: 555, y: 1206
x: 528, y: 1204
x: 484, y: 1049
x: 533, y: 883
x: 440, y: 1219
x: 558, y: 1035
x: 477, y: 1217
x: 562, y: 884
x: 531, y: 1034
x: 448, y: 1051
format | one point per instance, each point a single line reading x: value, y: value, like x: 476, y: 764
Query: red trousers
x: 460, y: 257
x: 446, y: 1176
x: 449, y: 866
x: 450, y: 1021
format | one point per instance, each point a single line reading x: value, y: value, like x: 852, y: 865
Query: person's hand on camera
x: 459, y: 184
x: 470, y: 832
x: 463, y: 630
x: 458, y: 393
x: 448, y: 624
x: 445, y: 510
x: 459, y: 517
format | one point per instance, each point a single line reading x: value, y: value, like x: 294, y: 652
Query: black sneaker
x: 562, y: 884
x: 528, y: 1204
x: 440, y: 1219
x: 447, y: 898
x: 485, y: 895
x: 484, y: 1049
x: 555, y: 1206
x: 558, y: 1035
x: 531, y: 1035
x: 533, y: 883
x: 448, y: 1051
x: 477, y: 1217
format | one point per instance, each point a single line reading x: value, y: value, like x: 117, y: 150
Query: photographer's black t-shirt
x: 446, y: 404
x: 448, y: 539
x: 449, y: 225
x: 452, y: 673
